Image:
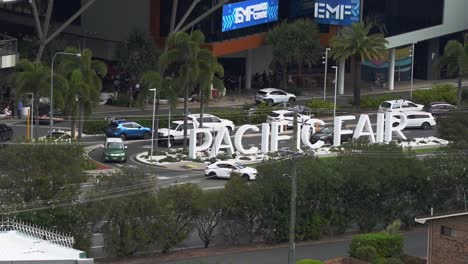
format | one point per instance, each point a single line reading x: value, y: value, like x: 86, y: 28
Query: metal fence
x: 8, y: 45
x: 37, y: 232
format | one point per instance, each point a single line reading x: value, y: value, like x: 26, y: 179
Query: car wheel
x: 212, y: 175
x: 292, y: 100
x: 426, y: 125
x: 269, y: 102
x: 109, y: 101
x: 123, y: 136
x: 246, y: 177
x: 146, y: 135
x: 328, y: 142
x: 230, y: 130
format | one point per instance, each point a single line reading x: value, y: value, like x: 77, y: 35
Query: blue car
x: 127, y: 129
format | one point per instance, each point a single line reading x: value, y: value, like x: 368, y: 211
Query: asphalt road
x: 415, y: 245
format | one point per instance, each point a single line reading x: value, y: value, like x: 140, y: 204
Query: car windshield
x: 113, y: 125
x: 326, y: 130
x: 115, y: 145
x: 274, y: 114
x: 174, y: 126
x: 386, y: 105
x: 262, y: 92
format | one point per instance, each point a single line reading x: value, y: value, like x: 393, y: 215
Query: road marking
x: 163, y: 178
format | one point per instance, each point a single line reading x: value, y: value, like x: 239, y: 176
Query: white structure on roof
x: 23, y: 243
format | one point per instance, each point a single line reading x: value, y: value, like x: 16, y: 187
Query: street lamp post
x: 325, y: 61
x: 334, y: 99
x: 152, y: 129
x: 51, y: 114
x: 412, y: 72
x: 31, y: 113
x: 169, y: 117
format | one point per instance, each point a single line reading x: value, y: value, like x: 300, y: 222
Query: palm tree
x: 455, y: 60
x: 357, y: 43
x: 34, y: 77
x: 210, y: 74
x: 183, y: 52
x: 88, y: 83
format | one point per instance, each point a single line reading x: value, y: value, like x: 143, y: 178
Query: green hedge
x: 387, y: 245
x: 309, y: 261
x: 368, y: 102
x: 366, y: 253
x: 445, y: 92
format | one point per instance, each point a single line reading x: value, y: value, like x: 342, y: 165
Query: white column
x: 391, y: 70
x: 341, y: 76
x: 248, y: 70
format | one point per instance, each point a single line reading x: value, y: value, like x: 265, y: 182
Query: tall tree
x: 294, y: 42
x: 34, y: 77
x: 183, y: 52
x: 210, y: 75
x: 86, y: 74
x: 357, y: 43
x: 455, y: 61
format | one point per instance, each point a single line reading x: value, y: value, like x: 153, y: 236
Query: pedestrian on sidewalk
x: 20, y: 108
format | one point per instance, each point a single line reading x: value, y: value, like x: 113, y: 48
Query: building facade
x: 447, y: 238
x: 428, y: 24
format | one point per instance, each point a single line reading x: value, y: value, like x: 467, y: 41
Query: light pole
x: 32, y: 116
x: 334, y: 99
x: 169, y: 119
x: 51, y: 114
x: 325, y: 61
x: 152, y: 129
x: 412, y: 71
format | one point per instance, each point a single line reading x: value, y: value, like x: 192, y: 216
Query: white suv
x: 286, y: 115
x: 399, y: 106
x: 273, y: 95
x: 174, y: 133
x: 417, y: 119
x: 212, y: 122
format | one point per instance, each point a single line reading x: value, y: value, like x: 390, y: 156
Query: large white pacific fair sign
x: 271, y: 136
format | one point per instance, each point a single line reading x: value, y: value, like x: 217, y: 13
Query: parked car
x: 59, y: 136
x: 175, y: 132
x: 399, y: 106
x: 286, y: 115
x: 212, y: 122
x: 114, y: 150
x: 301, y: 109
x: 6, y: 133
x: 223, y: 169
x: 127, y: 129
x: 326, y: 134
x: 417, y: 119
x: 273, y: 95
x: 437, y: 108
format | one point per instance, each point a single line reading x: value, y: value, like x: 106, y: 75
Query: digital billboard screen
x: 337, y: 12
x: 249, y: 13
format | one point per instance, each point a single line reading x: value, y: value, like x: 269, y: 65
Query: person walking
x: 20, y: 108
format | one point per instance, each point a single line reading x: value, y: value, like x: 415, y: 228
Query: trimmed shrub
x: 366, y: 253
x: 387, y: 245
x: 390, y: 261
x: 320, y: 104
x: 445, y: 92
x: 309, y: 261
x: 368, y: 102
